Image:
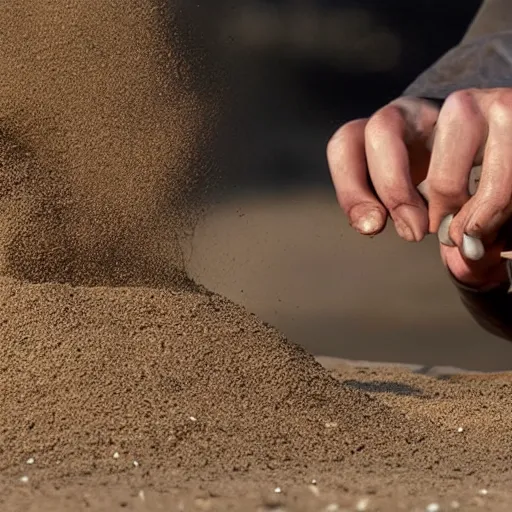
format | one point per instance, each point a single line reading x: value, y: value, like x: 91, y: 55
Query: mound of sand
x: 172, y: 380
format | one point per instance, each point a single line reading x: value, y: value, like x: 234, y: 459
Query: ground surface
x: 477, y: 404
x: 147, y: 399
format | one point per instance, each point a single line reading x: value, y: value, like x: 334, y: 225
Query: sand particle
x: 362, y: 505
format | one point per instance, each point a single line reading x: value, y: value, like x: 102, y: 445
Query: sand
x: 123, y: 384
x: 184, y: 395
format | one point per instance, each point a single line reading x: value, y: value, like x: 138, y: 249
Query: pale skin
x: 376, y: 164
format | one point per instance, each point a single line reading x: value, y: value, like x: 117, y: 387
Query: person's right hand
x: 377, y: 163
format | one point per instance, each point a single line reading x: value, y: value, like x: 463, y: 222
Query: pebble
x: 30, y: 460
x: 362, y: 505
x: 460, y: 429
x: 24, y: 479
x: 135, y: 464
x: 116, y: 455
x: 483, y: 492
x: 433, y: 507
x: 192, y: 418
x: 278, y: 490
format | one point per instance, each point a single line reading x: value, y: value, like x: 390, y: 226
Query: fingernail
x: 404, y: 231
x: 369, y: 224
x: 443, y: 233
x: 472, y: 248
x: 413, y: 220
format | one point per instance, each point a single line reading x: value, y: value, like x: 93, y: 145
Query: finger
x: 461, y: 131
x: 347, y: 164
x: 487, y: 272
x: 386, y: 136
x: 484, y: 214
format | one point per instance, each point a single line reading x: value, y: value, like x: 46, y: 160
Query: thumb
x: 488, y: 272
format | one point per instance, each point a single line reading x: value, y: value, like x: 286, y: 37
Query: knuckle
x: 445, y: 187
x: 346, y: 134
x: 460, y: 105
x: 500, y: 109
x: 394, y: 196
x: 379, y: 124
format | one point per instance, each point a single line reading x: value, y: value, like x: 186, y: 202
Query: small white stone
x: 455, y: 504
x: 142, y: 496
x: 483, y: 492
x: 313, y: 482
x: 116, y: 455
x: 460, y: 429
x: 433, y: 507
x: 192, y: 418
x: 278, y: 490
x: 31, y: 460
x: 24, y: 479
x: 362, y: 504
x: 135, y: 464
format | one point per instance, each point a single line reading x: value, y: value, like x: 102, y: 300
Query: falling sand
x: 125, y: 385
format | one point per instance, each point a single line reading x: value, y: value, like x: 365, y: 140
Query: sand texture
x: 212, y: 404
x: 123, y: 384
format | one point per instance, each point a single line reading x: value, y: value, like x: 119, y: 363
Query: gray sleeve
x: 483, y: 62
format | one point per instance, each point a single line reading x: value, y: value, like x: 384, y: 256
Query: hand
x: 377, y: 163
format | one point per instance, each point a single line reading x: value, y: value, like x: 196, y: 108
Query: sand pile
x: 171, y: 380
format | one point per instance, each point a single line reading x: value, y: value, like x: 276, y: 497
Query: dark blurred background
x: 274, y: 239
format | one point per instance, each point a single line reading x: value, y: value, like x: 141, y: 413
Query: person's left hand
x: 473, y: 126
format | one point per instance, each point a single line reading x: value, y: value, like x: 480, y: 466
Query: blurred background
x: 273, y: 238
